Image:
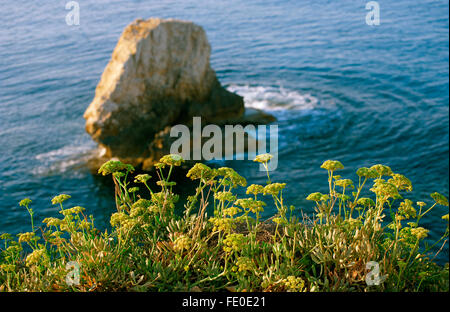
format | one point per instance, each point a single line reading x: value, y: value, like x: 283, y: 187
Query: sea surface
x: 341, y: 89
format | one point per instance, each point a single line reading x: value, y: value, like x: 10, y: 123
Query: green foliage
x: 153, y: 249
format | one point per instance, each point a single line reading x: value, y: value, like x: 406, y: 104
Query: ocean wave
x: 65, y: 158
x: 274, y: 98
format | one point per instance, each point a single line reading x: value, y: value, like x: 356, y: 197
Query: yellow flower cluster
x: 114, y: 166
x: 225, y: 196
x: 52, y: 221
x: 440, y: 199
x: 401, y: 182
x: 279, y: 221
x: 317, y: 196
x: 65, y: 225
x: 232, y: 211
x: 141, y: 178
x: 293, y: 283
x: 141, y: 203
x: 366, y: 202
x: 273, y: 188
x: 172, y: 160
x: 366, y: 173
x: 84, y: 225
x: 251, y: 204
x: 60, y: 199
x: 332, y: 165
x: 182, y: 243
x: 14, y: 249
x: 200, y: 171
x: 38, y: 256
x: 244, y: 264
x: 344, y: 182
x: 263, y: 158
x: 419, y: 232
x: 234, y: 242
x: 72, y: 211
x: 382, y: 170
x: 7, y: 267
x: 255, y: 189
x: 163, y: 199
x: 118, y: 218
x: 223, y: 224
x: 406, y: 209
x: 26, y: 237
x: 385, y: 190
x: 232, y: 176
x: 25, y: 202
x: 129, y: 223
x: 137, y: 211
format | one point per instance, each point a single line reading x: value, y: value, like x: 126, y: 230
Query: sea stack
x: 159, y: 75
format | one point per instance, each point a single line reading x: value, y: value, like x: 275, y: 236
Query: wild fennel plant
x: 152, y: 248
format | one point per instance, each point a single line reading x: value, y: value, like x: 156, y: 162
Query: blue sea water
x: 340, y: 89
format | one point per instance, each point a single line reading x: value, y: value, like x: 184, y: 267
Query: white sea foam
x: 65, y: 151
x: 65, y: 158
x: 274, y: 98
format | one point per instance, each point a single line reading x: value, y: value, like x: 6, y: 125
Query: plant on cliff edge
x: 152, y: 248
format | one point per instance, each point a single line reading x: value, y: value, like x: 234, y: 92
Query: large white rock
x: 159, y: 75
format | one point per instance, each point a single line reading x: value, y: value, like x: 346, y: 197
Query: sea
x: 340, y: 89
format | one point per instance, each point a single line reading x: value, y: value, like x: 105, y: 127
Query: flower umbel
x: 60, y: 199
x: 263, y: 158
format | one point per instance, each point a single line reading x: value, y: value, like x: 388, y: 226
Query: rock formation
x: 159, y: 75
